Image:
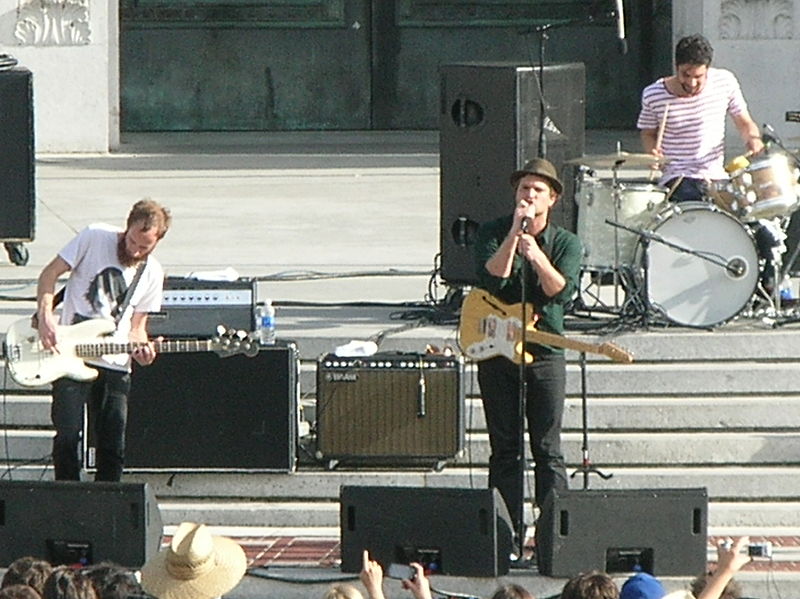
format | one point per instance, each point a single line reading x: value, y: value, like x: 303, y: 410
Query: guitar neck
x: 164, y: 346
x: 555, y: 340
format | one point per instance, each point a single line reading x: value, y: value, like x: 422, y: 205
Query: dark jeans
x: 544, y: 407
x: 107, y: 400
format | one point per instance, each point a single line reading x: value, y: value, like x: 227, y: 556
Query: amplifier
x: 390, y: 408
x: 194, y: 308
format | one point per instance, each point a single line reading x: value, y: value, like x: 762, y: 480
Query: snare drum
x: 638, y: 204
x: 766, y: 188
x: 713, y: 279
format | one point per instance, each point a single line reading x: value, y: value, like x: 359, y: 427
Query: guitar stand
x: 586, y: 467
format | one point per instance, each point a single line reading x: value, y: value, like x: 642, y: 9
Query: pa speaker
x: 390, y: 408
x: 68, y: 522
x: 660, y: 531
x: 457, y: 532
x: 197, y: 411
x: 17, y: 165
x: 490, y: 120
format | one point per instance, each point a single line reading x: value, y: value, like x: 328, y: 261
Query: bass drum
x: 713, y: 279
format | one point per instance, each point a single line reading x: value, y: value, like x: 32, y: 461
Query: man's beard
x: 123, y: 256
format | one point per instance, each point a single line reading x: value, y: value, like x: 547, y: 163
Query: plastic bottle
x: 265, y: 322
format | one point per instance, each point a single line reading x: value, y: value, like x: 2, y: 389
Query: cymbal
x: 621, y: 159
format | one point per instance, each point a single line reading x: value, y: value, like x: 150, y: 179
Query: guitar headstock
x: 229, y: 342
x: 615, y: 352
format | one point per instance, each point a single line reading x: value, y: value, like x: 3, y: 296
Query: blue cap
x: 642, y: 586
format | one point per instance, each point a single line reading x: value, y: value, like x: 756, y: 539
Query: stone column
x: 759, y: 40
x: 72, y: 49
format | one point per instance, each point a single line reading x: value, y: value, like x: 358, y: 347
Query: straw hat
x: 196, y: 565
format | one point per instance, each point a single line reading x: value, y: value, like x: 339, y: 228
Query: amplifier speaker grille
x: 390, y: 406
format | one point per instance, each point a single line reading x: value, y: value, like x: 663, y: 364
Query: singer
x: 526, y: 247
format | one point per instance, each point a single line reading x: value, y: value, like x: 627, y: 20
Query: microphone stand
x: 522, y: 392
x: 586, y: 467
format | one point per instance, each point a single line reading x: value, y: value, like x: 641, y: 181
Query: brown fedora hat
x: 542, y: 168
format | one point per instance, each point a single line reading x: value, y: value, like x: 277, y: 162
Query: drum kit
x: 693, y: 263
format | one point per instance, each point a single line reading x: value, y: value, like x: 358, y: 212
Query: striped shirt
x: 695, y: 130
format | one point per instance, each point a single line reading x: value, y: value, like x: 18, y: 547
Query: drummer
x: 682, y: 120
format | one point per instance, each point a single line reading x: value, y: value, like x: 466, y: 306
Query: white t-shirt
x: 98, y: 283
x: 694, y: 134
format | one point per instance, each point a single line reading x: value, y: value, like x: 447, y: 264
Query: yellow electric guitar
x: 31, y: 365
x: 489, y: 327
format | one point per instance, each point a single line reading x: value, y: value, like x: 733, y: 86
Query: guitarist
x: 550, y: 257
x: 103, y: 262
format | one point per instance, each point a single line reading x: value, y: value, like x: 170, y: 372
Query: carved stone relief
x: 756, y: 19
x: 52, y: 22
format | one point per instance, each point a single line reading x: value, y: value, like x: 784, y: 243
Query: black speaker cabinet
x: 17, y: 165
x: 457, y: 532
x: 489, y: 125
x: 79, y: 522
x: 390, y: 407
x: 198, y: 411
x: 660, y: 531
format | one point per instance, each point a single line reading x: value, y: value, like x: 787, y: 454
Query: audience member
x: 590, y: 585
x: 642, y: 586
x: 732, y: 556
x: 28, y: 570
x: 419, y: 585
x: 112, y: 581
x: 372, y: 577
x: 19, y: 591
x: 343, y: 591
x: 196, y: 565
x: 67, y: 583
x: 512, y: 591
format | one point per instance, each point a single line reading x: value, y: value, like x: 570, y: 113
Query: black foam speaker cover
x: 73, y: 522
x: 198, y: 411
x: 660, y: 531
x: 17, y: 217
x: 458, y: 532
x: 490, y: 119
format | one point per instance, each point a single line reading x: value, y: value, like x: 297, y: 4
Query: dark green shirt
x: 564, y: 250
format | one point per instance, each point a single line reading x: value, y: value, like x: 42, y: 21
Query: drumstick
x: 673, y: 188
x: 660, y: 135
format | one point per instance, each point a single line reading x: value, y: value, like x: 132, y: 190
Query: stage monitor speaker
x: 660, y: 531
x: 68, y: 522
x: 390, y: 408
x: 17, y: 166
x: 198, y: 411
x: 456, y: 532
x: 489, y: 125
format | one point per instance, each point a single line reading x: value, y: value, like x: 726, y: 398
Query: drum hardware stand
x: 616, y: 198
x: 586, y: 467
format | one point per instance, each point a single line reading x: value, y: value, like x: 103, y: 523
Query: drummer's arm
x: 749, y: 132
x: 649, y: 138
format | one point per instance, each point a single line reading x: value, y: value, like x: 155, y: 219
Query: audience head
x: 196, y: 565
x: 732, y: 590
x: 512, y: 591
x: 112, y: 581
x: 342, y: 591
x: 642, y: 586
x: 19, y: 591
x: 590, y: 585
x: 30, y: 571
x: 67, y: 583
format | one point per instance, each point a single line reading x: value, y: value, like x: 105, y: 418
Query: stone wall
x: 71, y: 47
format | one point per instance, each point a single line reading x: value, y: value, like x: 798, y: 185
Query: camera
x: 401, y: 572
x: 760, y: 549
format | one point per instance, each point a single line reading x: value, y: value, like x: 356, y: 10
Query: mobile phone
x: 401, y: 571
x: 760, y: 549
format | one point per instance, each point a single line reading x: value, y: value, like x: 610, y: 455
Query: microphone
x: 525, y: 222
x: 620, y: 13
x: 769, y: 135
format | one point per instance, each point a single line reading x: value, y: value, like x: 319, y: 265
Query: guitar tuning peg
x: 220, y: 330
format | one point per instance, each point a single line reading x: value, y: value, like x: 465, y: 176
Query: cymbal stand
x: 586, y: 467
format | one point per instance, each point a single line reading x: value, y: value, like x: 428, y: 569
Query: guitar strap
x: 129, y: 293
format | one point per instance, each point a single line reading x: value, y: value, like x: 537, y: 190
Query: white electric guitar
x: 31, y: 365
x: 489, y: 327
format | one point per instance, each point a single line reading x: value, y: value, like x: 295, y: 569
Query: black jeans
x: 107, y: 400
x: 544, y: 408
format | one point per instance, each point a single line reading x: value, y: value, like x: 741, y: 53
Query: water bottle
x: 265, y: 323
